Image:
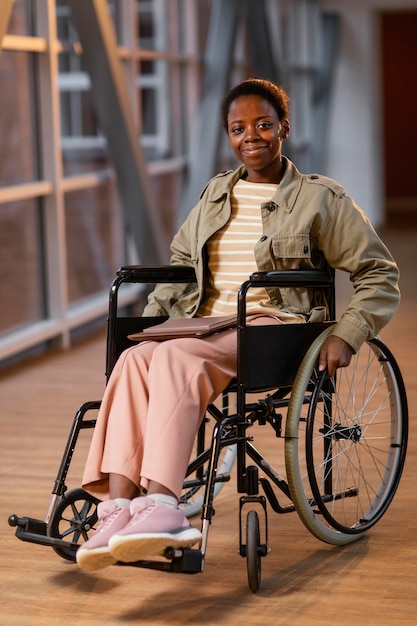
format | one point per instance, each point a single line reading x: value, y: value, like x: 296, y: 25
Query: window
x: 61, y: 229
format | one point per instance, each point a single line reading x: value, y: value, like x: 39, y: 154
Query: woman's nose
x: 251, y: 133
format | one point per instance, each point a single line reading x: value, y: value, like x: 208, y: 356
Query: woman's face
x: 256, y: 135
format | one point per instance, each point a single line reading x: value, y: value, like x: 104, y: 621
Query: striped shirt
x: 231, y: 253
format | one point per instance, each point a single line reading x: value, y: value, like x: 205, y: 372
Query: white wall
x: 354, y: 155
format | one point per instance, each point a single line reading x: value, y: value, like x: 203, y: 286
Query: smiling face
x: 256, y: 135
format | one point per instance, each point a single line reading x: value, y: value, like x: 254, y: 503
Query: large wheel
x: 346, y: 441
x: 74, y: 520
x: 192, y: 497
x: 253, y: 557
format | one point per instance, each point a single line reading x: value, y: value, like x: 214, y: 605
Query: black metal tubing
x: 288, y: 278
x: 156, y: 274
x: 323, y: 279
x: 216, y: 446
x: 141, y: 274
x: 78, y: 424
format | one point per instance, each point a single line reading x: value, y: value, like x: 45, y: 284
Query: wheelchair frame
x: 321, y: 415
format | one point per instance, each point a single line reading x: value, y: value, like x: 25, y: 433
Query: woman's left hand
x: 334, y: 353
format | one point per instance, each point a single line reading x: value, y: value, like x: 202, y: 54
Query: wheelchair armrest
x: 156, y: 274
x: 287, y: 278
x: 292, y: 278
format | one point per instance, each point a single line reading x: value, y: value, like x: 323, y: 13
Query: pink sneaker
x: 152, y: 528
x: 94, y: 554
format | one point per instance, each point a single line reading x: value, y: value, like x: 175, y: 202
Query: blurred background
x: 109, y: 129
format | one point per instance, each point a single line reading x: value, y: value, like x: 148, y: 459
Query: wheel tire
x: 253, y: 558
x: 345, y: 447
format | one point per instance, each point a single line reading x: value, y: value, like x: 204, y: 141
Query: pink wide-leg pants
x: 152, y: 407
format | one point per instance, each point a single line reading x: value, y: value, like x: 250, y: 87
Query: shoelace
x: 140, y: 515
x: 106, y: 521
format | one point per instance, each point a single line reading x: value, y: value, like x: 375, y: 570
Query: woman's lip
x: 253, y: 150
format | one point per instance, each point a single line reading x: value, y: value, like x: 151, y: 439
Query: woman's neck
x: 272, y: 176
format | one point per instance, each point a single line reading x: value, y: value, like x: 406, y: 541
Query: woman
x: 265, y: 215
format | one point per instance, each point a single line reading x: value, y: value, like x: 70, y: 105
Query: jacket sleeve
x: 350, y: 243
x: 165, y: 295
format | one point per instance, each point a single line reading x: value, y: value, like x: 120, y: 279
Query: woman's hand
x: 334, y: 353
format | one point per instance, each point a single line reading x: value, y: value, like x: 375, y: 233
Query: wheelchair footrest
x: 184, y: 561
x: 36, y: 531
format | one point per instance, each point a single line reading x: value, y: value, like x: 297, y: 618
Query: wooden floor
x: 305, y: 582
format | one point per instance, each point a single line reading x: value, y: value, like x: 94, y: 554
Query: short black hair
x: 275, y: 94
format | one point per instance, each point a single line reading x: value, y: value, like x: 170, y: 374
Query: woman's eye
x: 237, y: 130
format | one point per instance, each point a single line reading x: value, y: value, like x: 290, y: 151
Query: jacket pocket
x: 292, y: 252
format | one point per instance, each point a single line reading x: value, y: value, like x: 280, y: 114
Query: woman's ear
x: 285, y: 129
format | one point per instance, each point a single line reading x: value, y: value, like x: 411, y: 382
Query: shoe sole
x: 131, y: 548
x: 93, y: 560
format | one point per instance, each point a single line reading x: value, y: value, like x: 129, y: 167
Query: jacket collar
x: 285, y: 195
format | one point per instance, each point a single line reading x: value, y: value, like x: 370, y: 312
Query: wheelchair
x: 343, y: 439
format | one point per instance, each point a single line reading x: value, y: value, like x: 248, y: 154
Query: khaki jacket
x: 309, y: 221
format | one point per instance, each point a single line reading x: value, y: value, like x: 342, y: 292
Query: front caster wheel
x: 73, y: 520
x: 253, y: 551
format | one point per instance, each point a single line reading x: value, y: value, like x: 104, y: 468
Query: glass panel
x: 114, y: 8
x: 149, y: 111
x: 203, y: 21
x: 18, y: 142
x: 181, y: 35
x: 20, y: 18
x: 83, y: 147
x: 21, y: 299
x: 95, y: 242
x: 155, y: 105
x: 146, y: 25
x: 147, y: 67
x: 152, y: 24
x: 64, y: 25
x: 167, y: 193
x: 63, y: 14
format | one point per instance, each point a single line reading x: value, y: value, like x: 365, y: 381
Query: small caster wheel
x: 253, y: 551
x: 74, y: 518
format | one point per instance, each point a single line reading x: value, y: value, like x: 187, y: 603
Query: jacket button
x: 305, y: 249
x: 313, y: 177
x: 270, y: 206
x: 264, y: 238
